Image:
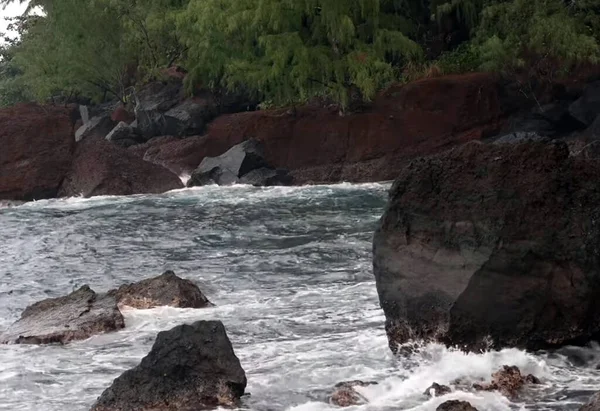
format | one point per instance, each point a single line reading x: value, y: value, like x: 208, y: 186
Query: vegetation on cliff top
x: 286, y: 51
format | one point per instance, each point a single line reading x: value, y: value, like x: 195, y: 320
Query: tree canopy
x: 283, y: 51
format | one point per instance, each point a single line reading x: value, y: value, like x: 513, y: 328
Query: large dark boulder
x: 587, y: 107
x: 36, y: 151
x: 164, y: 290
x: 244, y: 163
x: 76, y: 316
x: 191, y: 367
x: 489, y: 246
x: 102, y: 168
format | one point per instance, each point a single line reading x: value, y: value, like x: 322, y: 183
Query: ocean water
x: 289, y: 270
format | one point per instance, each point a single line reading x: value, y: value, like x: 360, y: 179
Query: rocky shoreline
x: 490, y: 239
x: 111, y: 149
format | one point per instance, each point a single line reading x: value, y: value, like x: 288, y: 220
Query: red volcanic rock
x: 101, y: 168
x: 121, y: 114
x: 37, y: 149
x: 318, y: 145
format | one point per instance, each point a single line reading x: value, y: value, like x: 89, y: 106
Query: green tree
x: 292, y: 50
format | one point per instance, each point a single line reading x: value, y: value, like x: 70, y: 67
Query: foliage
x: 290, y: 50
x: 286, y: 51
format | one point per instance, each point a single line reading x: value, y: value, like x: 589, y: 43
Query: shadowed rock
x: 191, y: 367
x: 587, y: 107
x: 491, y: 246
x: 437, y: 390
x: 164, y: 290
x: 456, y: 405
x: 98, y: 126
x: 76, y: 316
x: 345, y: 394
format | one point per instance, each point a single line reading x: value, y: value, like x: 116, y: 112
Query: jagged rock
x: 36, y: 150
x: 508, y: 381
x: 98, y: 126
x: 191, y: 367
x: 266, y: 177
x: 190, y: 118
x: 492, y: 246
x: 587, y: 107
x: 102, y: 168
x: 76, y: 316
x: 345, y: 394
x: 593, y: 404
x: 456, y: 405
x: 437, y: 390
x: 122, y: 135
x: 230, y: 167
x: 164, y: 290
x: 592, y: 133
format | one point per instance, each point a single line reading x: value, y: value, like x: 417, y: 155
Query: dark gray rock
x: 76, y: 316
x: 266, y: 177
x: 592, y: 133
x: 456, y: 405
x: 191, y: 367
x: 228, y: 168
x: 190, y: 118
x: 593, y: 404
x: 587, y: 107
x: 123, y: 135
x: 98, y: 126
x: 492, y: 246
x: 437, y: 390
x: 164, y: 290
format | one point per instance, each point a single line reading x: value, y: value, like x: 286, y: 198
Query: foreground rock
x: 101, y: 168
x: 508, y: 381
x: 37, y: 149
x: 593, y: 404
x: 244, y: 162
x: 76, y: 316
x: 164, y: 290
x: 345, y: 394
x: 191, y: 367
x: 489, y: 246
x: 456, y: 405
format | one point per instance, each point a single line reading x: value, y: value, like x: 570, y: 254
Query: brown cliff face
x: 36, y: 149
x: 102, y: 168
x: 318, y: 145
x: 490, y: 246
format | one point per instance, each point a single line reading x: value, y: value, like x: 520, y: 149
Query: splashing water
x: 290, y: 272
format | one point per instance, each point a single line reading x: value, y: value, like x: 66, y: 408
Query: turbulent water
x: 289, y: 270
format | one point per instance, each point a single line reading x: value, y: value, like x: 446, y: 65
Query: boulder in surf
x: 76, y: 316
x: 190, y: 367
x: 492, y: 246
x: 165, y: 290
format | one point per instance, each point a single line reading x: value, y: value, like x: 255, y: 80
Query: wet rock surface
x: 165, y: 290
x: 76, y: 316
x: 593, y: 404
x: 437, y: 390
x: 345, y: 394
x: 508, y: 381
x: 456, y: 405
x: 492, y: 246
x: 191, y: 367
